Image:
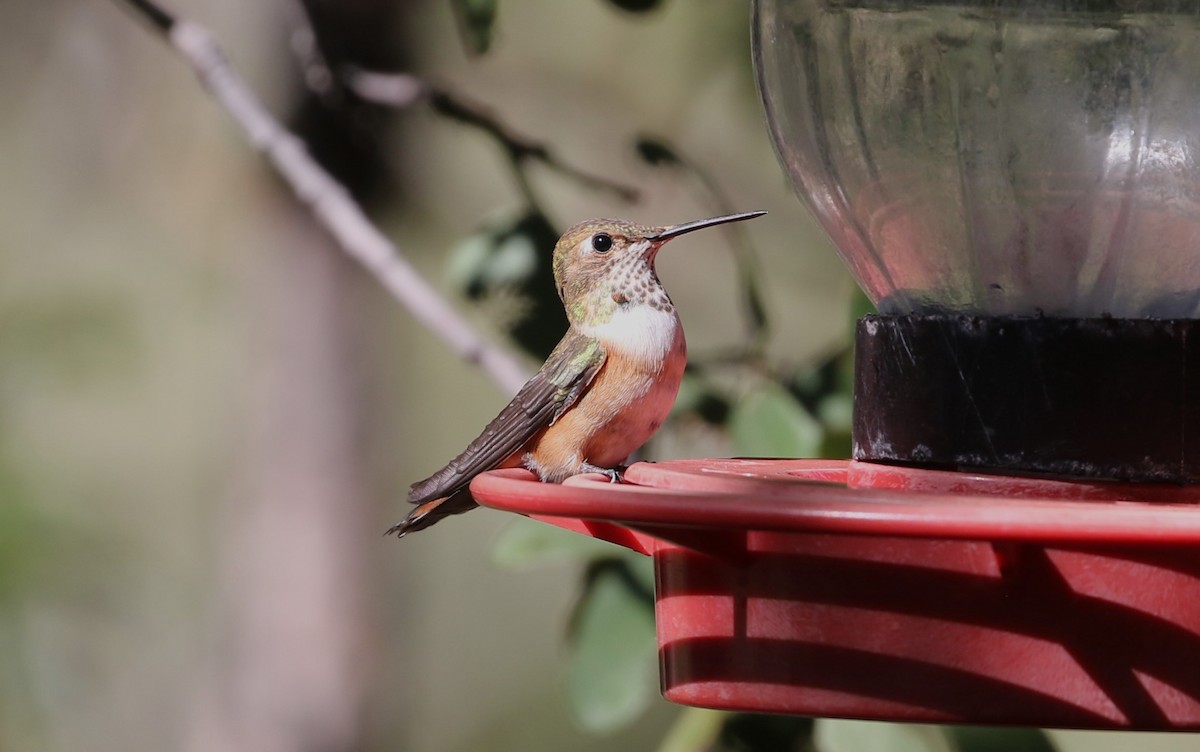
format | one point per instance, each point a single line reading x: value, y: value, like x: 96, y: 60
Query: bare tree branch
x: 330, y: 203
x: 403, y: 90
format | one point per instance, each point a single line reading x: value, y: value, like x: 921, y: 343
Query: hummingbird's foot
x: 613, y: 473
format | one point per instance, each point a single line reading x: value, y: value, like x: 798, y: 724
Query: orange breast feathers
x: 621, y: 410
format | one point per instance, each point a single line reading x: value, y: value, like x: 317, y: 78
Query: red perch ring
x: 846, y: 589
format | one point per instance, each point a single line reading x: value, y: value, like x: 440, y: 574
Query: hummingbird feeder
x: 1016, y: 540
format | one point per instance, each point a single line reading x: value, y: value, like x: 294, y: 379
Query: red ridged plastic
x: 833, y: 588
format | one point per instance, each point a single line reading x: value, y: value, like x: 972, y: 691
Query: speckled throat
x: 630, y: 280
x: 634, y: 281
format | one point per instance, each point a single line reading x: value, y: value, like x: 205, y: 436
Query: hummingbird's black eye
x: 601, y: 242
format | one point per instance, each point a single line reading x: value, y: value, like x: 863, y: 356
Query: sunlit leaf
x: 526, y: 542
x: 466, y: 268
x: 694, y: 729
x: 513, y: 258
x: 513, y: 262
x: 476, y: 19
x: 837, y: 411
x: 769, y: 422
x: 544, y: 321
x: 612, y: 673
x: 872, y: 736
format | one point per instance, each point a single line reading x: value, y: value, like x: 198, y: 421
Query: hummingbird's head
x: 604, y: 263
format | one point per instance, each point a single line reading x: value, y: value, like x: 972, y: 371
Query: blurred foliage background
x: 208, y: 416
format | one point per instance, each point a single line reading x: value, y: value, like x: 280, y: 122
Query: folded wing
x: 544, y: 398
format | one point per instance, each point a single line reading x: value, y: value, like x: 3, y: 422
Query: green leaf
x: 759, y: 732
x: 612, y: 674
x: 694, y: 729
x: 544, y: 322
x: 691, y: 392
x: 513, y: 262
x: 467, y: 265
x: 512, y: 256
x: 872, y: 736
x: 71, y: 337
x: 31, y: 542
x: 476, y: 19
x: 527, y: 542
x: 502, y: 256
x: 769, y: 422
x: 837, y: 411
x: 984, y: 739
x: 640, y: 571
x: 698, y: 398
x: 860, y: 304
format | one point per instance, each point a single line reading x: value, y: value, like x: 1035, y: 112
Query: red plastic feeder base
x: 832, y: 588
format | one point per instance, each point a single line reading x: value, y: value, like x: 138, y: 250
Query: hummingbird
x: 606, y: 387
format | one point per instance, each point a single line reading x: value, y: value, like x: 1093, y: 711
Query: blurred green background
x: 208, y: 416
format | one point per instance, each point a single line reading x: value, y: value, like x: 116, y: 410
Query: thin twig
x: 402, y: 90
x: 658, y: 153
x: 330, y: 203
x: 744, y: 259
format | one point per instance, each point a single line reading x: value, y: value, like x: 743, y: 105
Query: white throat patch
x: 642, y: 332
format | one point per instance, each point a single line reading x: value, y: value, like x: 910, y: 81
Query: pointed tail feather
x: 431, y: 512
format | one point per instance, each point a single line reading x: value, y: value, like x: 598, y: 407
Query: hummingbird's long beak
x: 666, y: 233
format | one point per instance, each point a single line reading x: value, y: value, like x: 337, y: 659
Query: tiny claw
x: 613, y: 473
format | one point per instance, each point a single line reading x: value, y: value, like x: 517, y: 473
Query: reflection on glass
x: 998, y: 157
